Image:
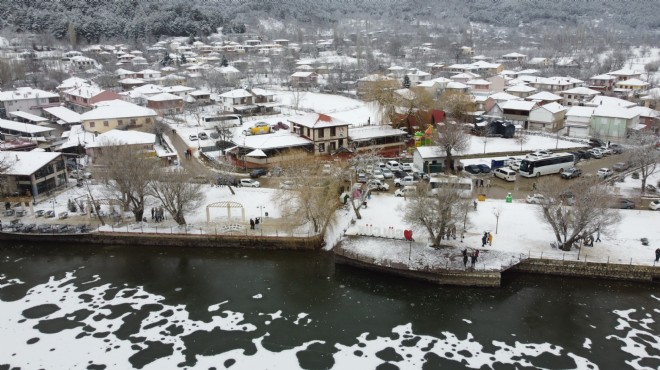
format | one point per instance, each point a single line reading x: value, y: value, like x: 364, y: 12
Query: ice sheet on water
x: 638, y: 339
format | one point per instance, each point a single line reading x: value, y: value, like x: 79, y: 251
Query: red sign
x: 407, y: 234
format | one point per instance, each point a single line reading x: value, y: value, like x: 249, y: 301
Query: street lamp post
x: 261, y: 221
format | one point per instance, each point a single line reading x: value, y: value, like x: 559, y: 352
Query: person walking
x: 251, y: 224
x: 152, y: 213
x: 256, y: 223
x: 488, y: 183
x: 657, y: 251
x: 484, y: 240
x: 534, y: 186
x: 476, y: 256
x: 490, y: 239
x: 598, y: 234
x: 473, y: 259
x: 474, y: 202
x: 465, y: 257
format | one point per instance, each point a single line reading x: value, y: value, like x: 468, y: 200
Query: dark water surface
x: 120, y: 307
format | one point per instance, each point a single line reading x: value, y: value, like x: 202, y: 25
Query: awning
x: 257, y: 153
x: 639, y: 126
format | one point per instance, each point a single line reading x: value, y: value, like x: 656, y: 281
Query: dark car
x: 227, y: 180
x: 473, y: 169
x: 258, y: 172
x: 584, y: 154
x: 571, y: 173
x: 399, y: 174
x: 624, y: 204
x: 595, y: 143
x: 616, y: 148
x: 483, y: 168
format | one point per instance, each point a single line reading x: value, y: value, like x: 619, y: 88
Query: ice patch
x: 639, y: 340
x: 257, y: 296
x: 467, y: 321
x: 587, y: 343
x: 215, y: 307
x: 4, y: 282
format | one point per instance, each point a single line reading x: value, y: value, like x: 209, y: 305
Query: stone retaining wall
x: 444, y: 277
x: 173, y: 240
x: 588, y: 269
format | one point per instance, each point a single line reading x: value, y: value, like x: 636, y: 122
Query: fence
x: 584, y: 256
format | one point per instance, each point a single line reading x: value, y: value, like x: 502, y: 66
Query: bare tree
x: 497, y: 212
x: 5, y: 165
x: 577, y: 210
x: 310, y: 195
x: 436, y: 211
x: 177, y: 194
x: 126, y: 171
x: 457, y: 105
x: 297, y: 96
x: 644, y: 155
x: 521, y: 138
x: 453, y: 140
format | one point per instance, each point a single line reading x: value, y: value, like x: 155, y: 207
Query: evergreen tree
x: 167, y: 59
x: 183, y: 59
x: 406, y: 82
x: 224, y: 62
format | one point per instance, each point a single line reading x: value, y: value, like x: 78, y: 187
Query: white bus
x: 225, y: 120
x: 554, y: 163
x: 462, y: 184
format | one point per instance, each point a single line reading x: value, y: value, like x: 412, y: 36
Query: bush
x: 635, y: 175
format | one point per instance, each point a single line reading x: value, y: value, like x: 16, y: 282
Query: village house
x: 304, y: 79
x: 578, y: 95
x: 648, y: 117
x: 140, y: 142
x: 165, y: 104
x: 113, y: 114
x: 326, y: 133
x: 127, y: 84
x: 514, y: 58
x: 375, y: 82
x: 625, y: 74
x: 26, y: 130
x: 548, y: 117
x: 479, y: 86
x: 603, y: 82
x: 614, y: 121
x: 521, y: 90
x: 578, y: 121
x: 26, y: 99
x: 632, y: 85
x: 71, y: 83
x: 82, y: 99
x: 237, y: 101
x: 200, y: 96
x: 32, y: 173
x: 516, y: 111
x: 383, y: 139
x: 544, y: 97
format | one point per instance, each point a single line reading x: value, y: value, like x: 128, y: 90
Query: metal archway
x: 225, y: 204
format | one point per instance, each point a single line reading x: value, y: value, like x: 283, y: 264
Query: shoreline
x: 455, y: 277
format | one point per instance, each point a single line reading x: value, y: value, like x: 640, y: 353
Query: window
x: 120, y: 122
x: 321, y: 148
x: 148, y: 120
x: 106, y: 124
x: 333, y: 131
x: 133, y: 122
x: 92, y: 124
x: 321, y: 132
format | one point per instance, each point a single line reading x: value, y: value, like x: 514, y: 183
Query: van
x: 505, y: 174
x: 393, y: 165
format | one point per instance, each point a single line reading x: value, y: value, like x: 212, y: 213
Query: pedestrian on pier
x: 251, y: 224
x: 484, y: 240
x: 657, y: 251
x: 490, y: 239
x: 465, y: 257
x: 473, y: 259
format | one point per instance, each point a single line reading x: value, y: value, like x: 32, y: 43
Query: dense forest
x: 96, y: 20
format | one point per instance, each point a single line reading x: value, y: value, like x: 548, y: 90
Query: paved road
x: 193, y: 165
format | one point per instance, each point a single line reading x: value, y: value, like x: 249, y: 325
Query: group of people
x: 479, y: 183
x: 254, y: 224
x: 474, y: 256
x: 487, y: 239
x: 188, y: 153
x: 157, y: 214
x: 450, y: 232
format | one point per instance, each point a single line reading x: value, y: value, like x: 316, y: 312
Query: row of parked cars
x: 19, y: 227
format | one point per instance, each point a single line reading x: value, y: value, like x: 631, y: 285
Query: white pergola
x: 225, y: 204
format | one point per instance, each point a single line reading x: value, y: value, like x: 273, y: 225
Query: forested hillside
x: 93, y: 20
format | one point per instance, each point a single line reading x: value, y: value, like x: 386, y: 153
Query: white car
x: 387, y: 173
x: 192, y: 137
x: 375, y: 184
x: 377, y: 174
x: 596, y: 153
x: 287, y: 185
x: 535, y: 199
x: 250, y: 183
x: 406, y: 167
x: 655, y: 205
x: 405, y: 191
x: 405, y: 181
x: 604, y: 173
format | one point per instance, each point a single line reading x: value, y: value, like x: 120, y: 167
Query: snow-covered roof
x: 478, y: 82
x: 112, y: 109
x: 502, y: 96
x: 278, y: 139
x: 518, y: 105
x: 262, y: 92
x: 132, y: 81
x: 599, y: 100
x: 28, y: 116
x: 623, y: 72
x: 553, y: 107
x: 545, y: 96
x: 578, y: 111
x: 177, y: 88
x: 370, y: 132
x: 164, y: 97
x: 427, y: 152
x: 302, y: 74
x: 237, y: 93
x: 513, y: 55
x: 148, y: 72
x: 317, y: 120
x: 614, y: 112
x: 65, y: 114
x: 26, y: 163
x: 465, y: 76
x: 581, y: 91
x: 149, y: 89
x: 376, y: 77
x: 521, y: 88
x: 72, y: 82
x: 405, y: 93
x: 84, y: 91
x: 456, y: 85
x: 26, y: 128
x: 603, y: 77
x: 632, y: 82
x: 114, y: 137
x: 645, y: 111
x: 122, y: 71
x: 22, y: 93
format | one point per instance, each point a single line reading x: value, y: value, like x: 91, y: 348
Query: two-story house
x: 326, y: 133
x: 108, y: 115
x: 578, y: 95
x: 165, y: 104
x: 33, y: 173
x: 27, y: 99
x: 238, y: 100
x: 82, y: 99
x: 548, y: 117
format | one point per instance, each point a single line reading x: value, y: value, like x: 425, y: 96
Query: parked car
x: 404, y: 191
x: 483, y: 168
x: 377, y: 174
x: 506, y: 174
x: 258, y: 173
x: 399, y: 174
x: 571, y: 173
x: 203, y: 136
x: 258, y: 128
x: 472, y: 168
x: 604, y: 173
x: 405, y: 181
x: 379, y: 185
x: 192, y: 137
x: 387, y: 173
x: 624, y: 204
x: 567, y: 197
x: 406, y: 167
x: 539, y: 154
x: 616, y: 148
x: 596, y: 143
x: 621, y: 166
x: 596, y: 153
x: 287, y: 185
x: 393, y: 165
x: 45, y: 228
x: 654, y: 205
x: 535, y: 199
x: 250, y: 183
x: 514, y: 164
x: 227, y: 180
x: 606, y: 151
x: 362, y: 177
x: 584, y: 154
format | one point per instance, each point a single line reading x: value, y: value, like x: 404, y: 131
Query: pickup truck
x: 405, y: 181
